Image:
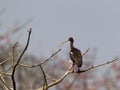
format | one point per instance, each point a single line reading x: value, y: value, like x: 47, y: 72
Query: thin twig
x: 99, y: 65
x: 13, y: 53
x: 5, y: 85
x: 14, y: 68
x: 45, y: 85
x: 51, y: 78
x: 42, y: 62
x: 85, y: 51
x: 4, y: 73
x: 61, y: 79
x: 8, y: 74
x: 6, y: 60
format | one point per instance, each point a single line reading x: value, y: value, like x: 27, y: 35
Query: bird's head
x: 69, y: 39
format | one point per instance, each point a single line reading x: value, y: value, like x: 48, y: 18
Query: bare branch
x: 42, y: 62
x: 95, y: 66
x: 13, y: 53
x: 45, y: 85
x: 5, y: 85
x: 59, y: 80
x: 8, y: 74
x: 5, y: 60
x: 85, y: 51
x: 14, y: 68
x: 4, y: 73
x: 51, y: 78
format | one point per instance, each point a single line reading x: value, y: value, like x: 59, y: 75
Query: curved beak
x: 63, y: 43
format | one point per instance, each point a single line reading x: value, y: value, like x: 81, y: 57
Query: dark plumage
x: 75, y: 54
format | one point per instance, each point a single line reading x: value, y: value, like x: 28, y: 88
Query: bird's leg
x: 73, y: 67
x: 78, y: 71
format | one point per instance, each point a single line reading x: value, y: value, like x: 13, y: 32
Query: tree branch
x: 42, y: 62
x: 99, y: 65
x: 7, y: 60
x: 4, y: 73
x: 14, y: 68
x: 5, y: 85
x: 13, y: 53
x: 45, y: 85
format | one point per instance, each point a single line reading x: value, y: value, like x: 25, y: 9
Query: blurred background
x: 94, y: 24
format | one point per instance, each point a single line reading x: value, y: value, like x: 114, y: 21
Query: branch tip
x: 30, y: 30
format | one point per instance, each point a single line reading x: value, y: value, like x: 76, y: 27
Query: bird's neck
x: 71, y: 45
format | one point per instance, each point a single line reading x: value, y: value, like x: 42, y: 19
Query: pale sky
x: 92, y: 23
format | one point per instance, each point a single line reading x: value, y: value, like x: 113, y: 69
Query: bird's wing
x: 78, y: 57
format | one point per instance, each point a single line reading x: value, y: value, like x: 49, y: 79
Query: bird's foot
x: 78, y: 71
x: 72, y: 70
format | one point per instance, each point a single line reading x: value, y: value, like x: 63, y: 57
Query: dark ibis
x: 75, y: 55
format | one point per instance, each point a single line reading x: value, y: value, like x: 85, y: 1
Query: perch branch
x: 99, y: 65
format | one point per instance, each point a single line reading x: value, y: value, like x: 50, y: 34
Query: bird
x: 75, y: 55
